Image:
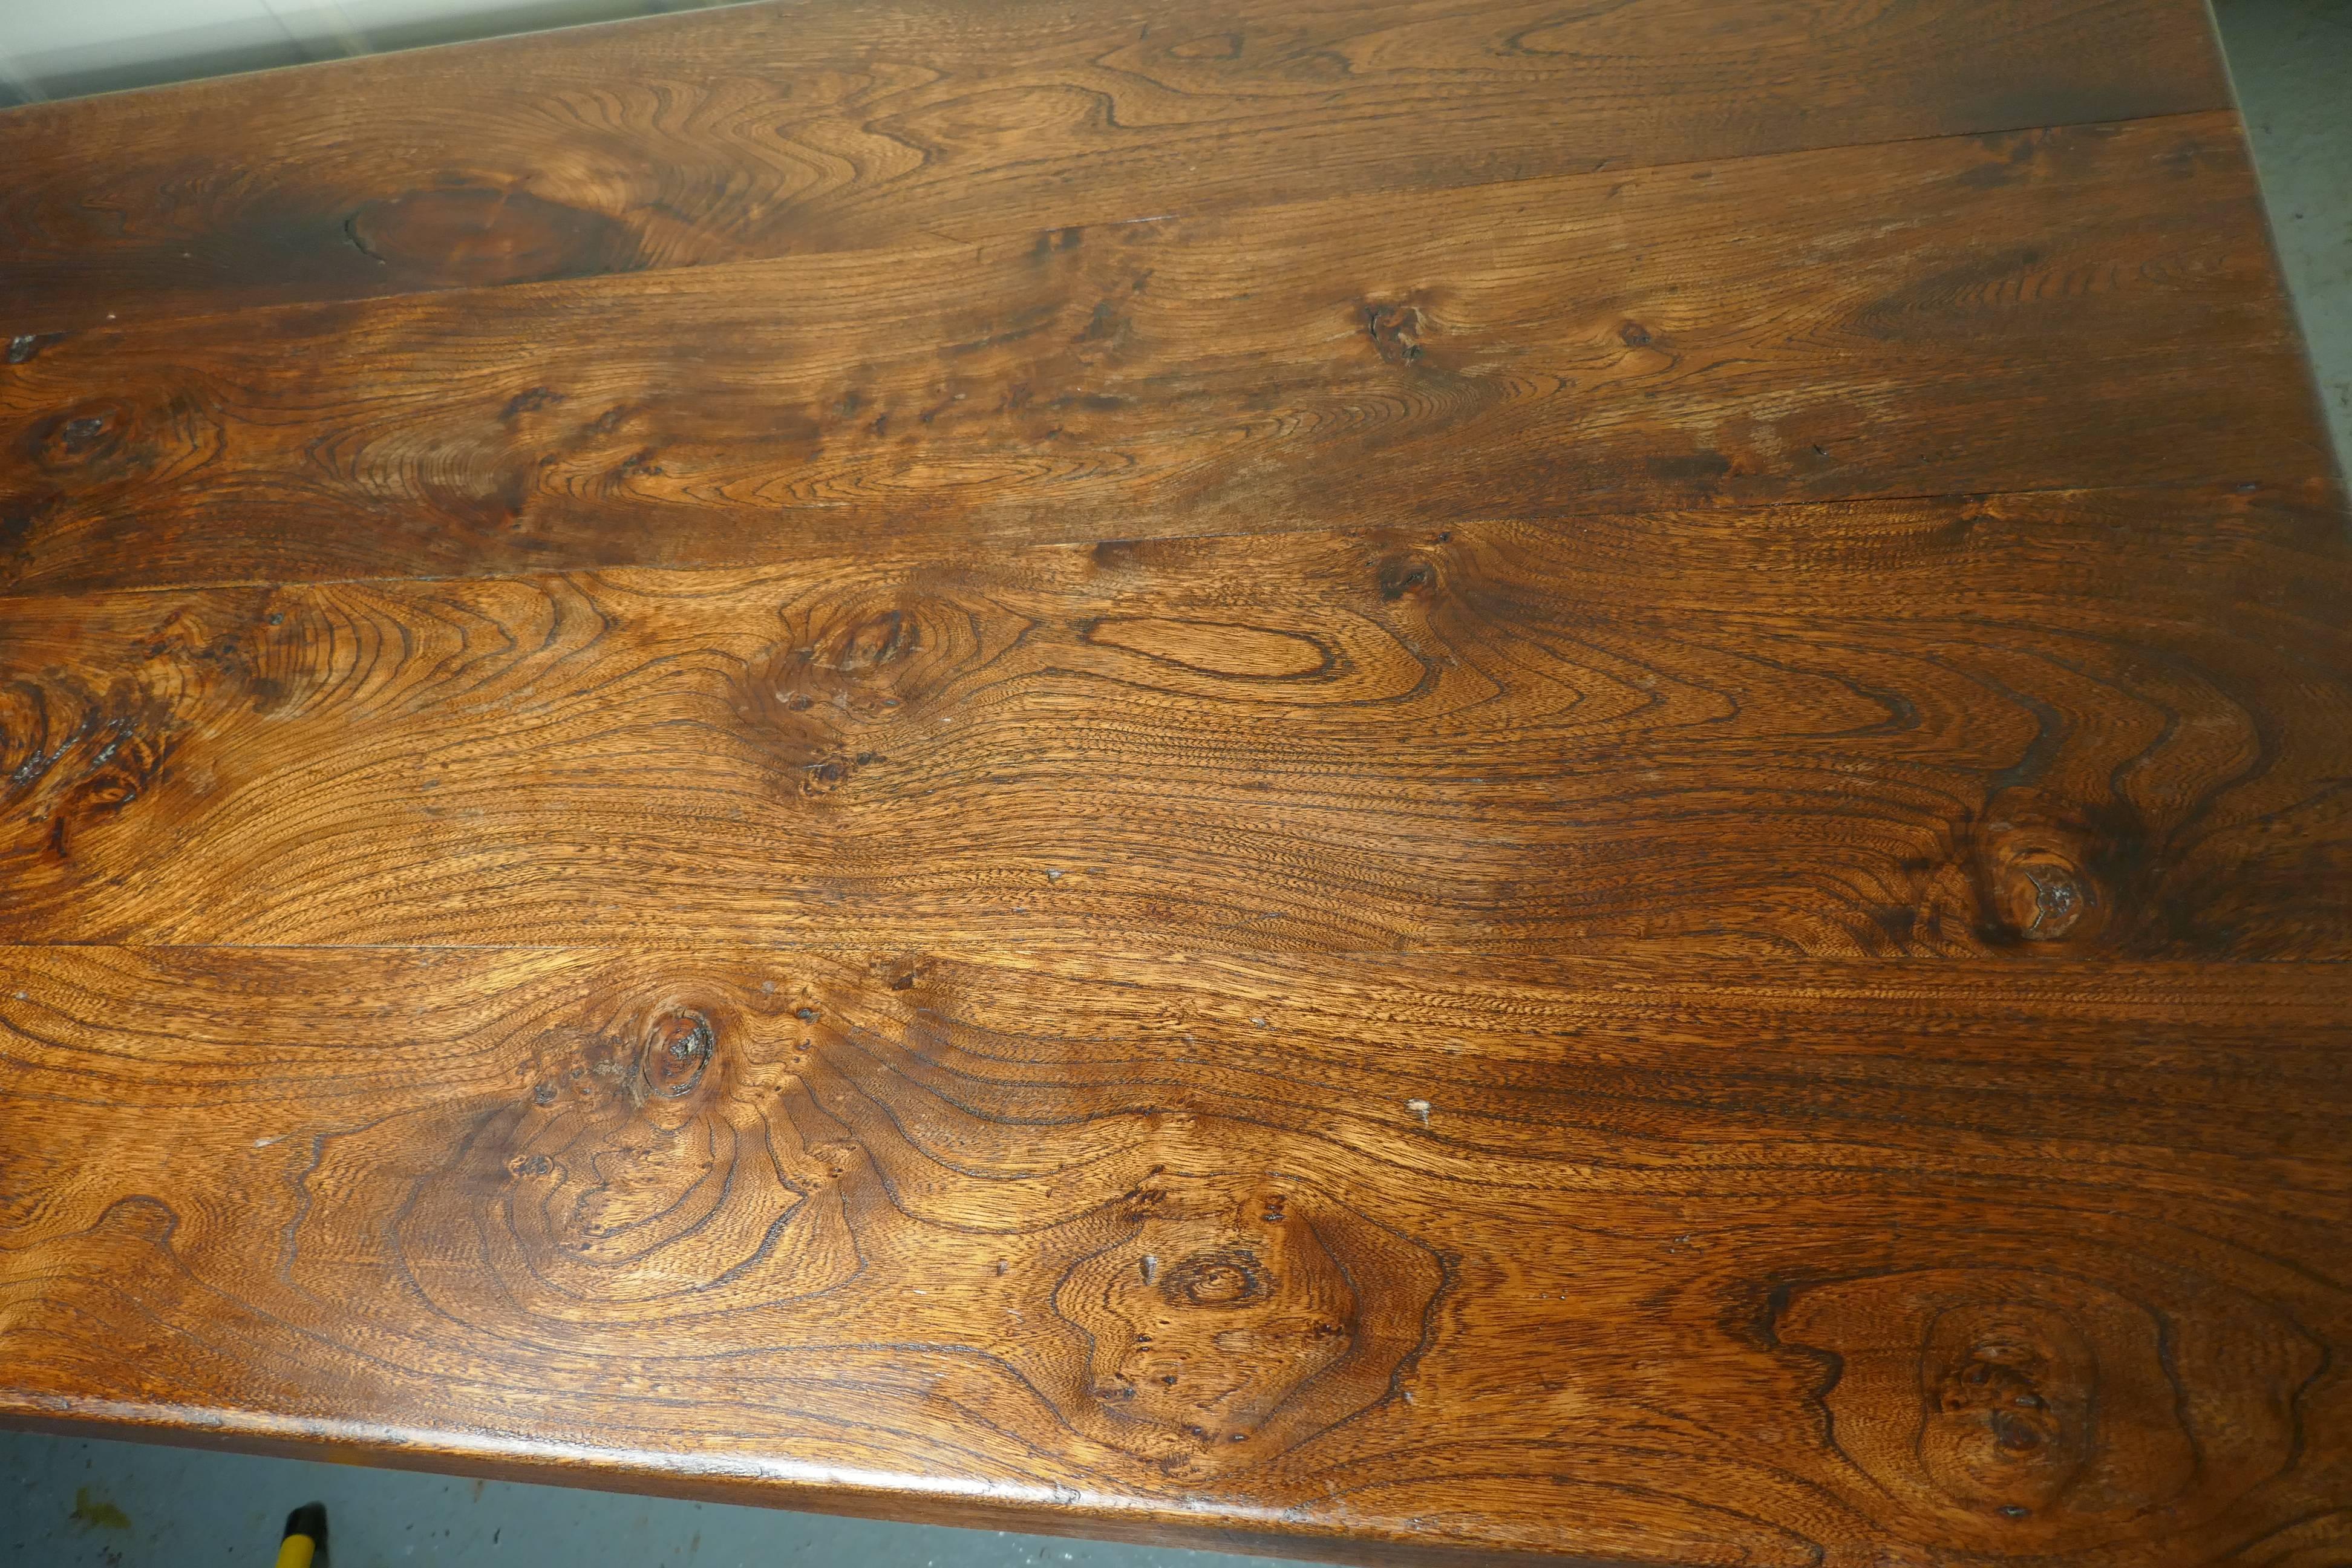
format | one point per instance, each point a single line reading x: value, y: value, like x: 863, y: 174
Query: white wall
x: 62, y: 48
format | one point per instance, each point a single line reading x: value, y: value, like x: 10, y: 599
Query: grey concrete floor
x: 68, y: 1503
x: 83, y: 1504
x: 2292, y: 61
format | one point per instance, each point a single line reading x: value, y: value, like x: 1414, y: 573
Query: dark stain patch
x: 1633, y: 335
x: 1223, y: 1279
x: 2191, y: 155
x: 2018, y: 1388
x: 2051, y: 729
x: 2063, y: 150
x: 16, y: 531
x: 500, y: 501
x: 878, y: 639
x: 1229, y: 651
x: 93, y: 1512
x: 1105, y: 326
x: 79, y: 439
x: 1958, y: 531
x: 677, y: 1050
x: 359, y: 241
x: 2049, y: 871
x: 1404, y: 574
x: 529, y: 401
x: 83, y: 463
x: 1213, y: 47
x: 2015, y: 153
x: 1395, y: 331
x: 996, y: 332
x: 467, y: 233
x: 824, y: 704
x: 1116, y: 553
x: 123, y: 767
x: 97, y: 754
x: 1922, y: 306
x: 588, y: 1068
x: 628, y: 1165
x: 1219, y: 1339
x: 1992, y: 177
x: 25, y: 347
x: 2059, y: 901
x: 1697, y: 466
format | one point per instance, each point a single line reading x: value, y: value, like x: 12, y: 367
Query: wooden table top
x: 1400, y: 780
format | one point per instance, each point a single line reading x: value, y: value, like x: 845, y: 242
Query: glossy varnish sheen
x: 2093, y: 304
x: 783, y: 129
x: 1927, y: 728
x: 1425, y: 781
x: 1652, y: 1258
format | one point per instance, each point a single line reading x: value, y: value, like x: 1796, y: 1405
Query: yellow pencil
x: 305, y: 1545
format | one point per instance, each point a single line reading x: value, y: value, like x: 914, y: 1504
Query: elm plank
x: 770, y: 129
x: 1822, y: 1263
x: 2088, y: 307
x: 1421, y: 781
x: 2037, y: 725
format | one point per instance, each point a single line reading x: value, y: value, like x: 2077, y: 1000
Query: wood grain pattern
x: 769, y: 130
x: 1434, y: 782
x: 1842, y: 1264
x: 2087, y: 307
x: 2103, y: 723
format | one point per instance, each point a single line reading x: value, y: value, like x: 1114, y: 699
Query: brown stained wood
x: 1418, y: 781
x: 1811, y: 1263
x: 2083, y: 307
x: 771, y: 130
x: 2049, y: 725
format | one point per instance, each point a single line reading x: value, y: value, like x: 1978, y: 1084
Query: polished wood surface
x: 1429, y: 781
x: 770, y: 129
x: 2096, y: 304
x: 1653, y: 1261
x: 1924, y: 728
